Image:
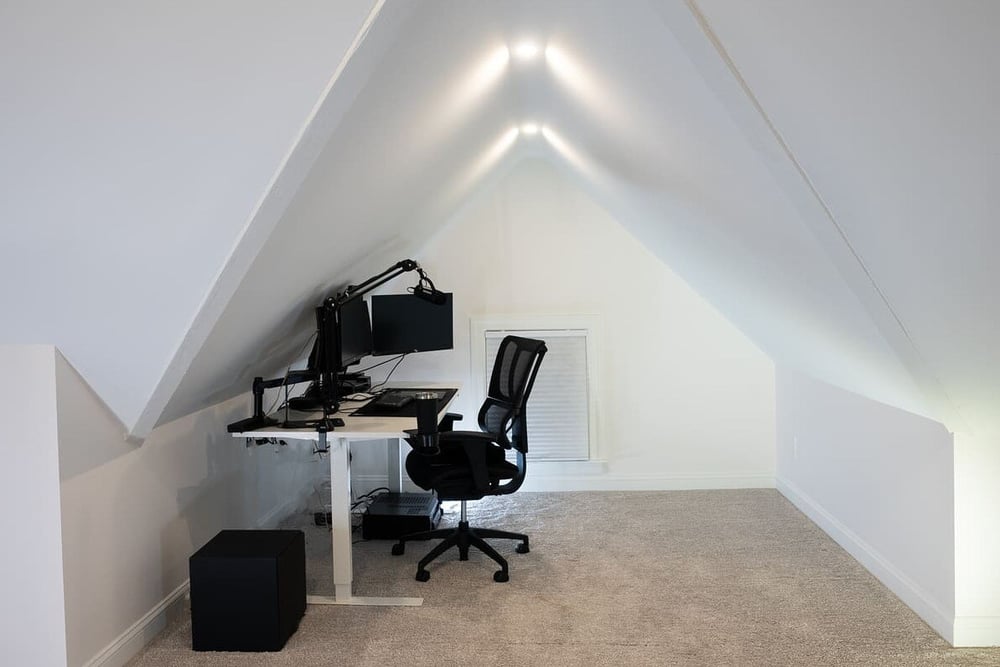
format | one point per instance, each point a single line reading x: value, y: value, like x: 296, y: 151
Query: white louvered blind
x: 558, y: 408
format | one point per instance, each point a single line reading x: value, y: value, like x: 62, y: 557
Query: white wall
x: 137, y: 140
x: 685, y: 400
x: 32, y: 624
x: 977, y: 540
x: 879, y: 481
x: 131, y: 516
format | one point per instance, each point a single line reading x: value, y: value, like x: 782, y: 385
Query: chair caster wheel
x: 500, y: 576
x: 522, y: 548
x: 423, y: 575
x: 398, y: 549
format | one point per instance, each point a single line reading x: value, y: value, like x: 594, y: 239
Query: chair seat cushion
x: 450, y: 474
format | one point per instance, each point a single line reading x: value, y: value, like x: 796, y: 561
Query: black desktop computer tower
x: 392, y: 515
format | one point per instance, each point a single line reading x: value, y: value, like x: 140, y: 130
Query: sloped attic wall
x: 888, y: 108
x: 137, y: 140
x: 632, y: 116
x: 430, y: 122
x: 629, y: 115
x: 155, y: 230
x: 881, y: 114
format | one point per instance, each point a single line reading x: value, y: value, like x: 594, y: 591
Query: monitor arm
x: 260, y: 384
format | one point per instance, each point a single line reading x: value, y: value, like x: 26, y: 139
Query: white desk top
x: 355, y: 427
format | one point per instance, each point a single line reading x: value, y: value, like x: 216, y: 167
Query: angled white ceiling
x: 681, y: 175
x: 888, y: 106
x: 818, y: 172
x: 421, y: 132
x: 632, y: 120
x: 136, y: 140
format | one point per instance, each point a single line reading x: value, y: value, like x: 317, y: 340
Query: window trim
x: 539, y: 326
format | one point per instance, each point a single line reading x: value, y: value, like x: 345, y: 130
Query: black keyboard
x: 393, y: 399
x: 400, y: 402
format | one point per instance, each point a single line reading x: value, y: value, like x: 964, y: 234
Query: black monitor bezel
x: 378, y: 300
x: 345, y: 309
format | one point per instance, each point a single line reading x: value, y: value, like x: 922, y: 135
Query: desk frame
x: 337, y: 444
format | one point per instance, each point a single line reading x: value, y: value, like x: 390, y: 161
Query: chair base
x: 462, y: 537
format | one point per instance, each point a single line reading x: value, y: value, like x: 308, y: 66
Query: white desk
x: 338, y: 445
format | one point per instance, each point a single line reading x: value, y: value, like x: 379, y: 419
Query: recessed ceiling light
x: 530, y: 128
x: 526, y: 51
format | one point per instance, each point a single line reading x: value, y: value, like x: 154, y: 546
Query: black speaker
x: 248, y: 590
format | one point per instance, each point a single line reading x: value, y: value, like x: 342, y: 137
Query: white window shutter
x: 559, y: 406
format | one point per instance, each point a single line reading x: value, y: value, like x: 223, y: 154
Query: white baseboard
x: 912, y: 595
x: 599, y: 481
x: 977, y: 631
x: 279, y: 513
x: 606, y: 482
x: 130, y: 642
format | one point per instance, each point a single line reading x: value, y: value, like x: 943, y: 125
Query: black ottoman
x: 248, y: 590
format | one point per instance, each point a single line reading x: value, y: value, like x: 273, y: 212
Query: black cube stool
x: 248, y: 590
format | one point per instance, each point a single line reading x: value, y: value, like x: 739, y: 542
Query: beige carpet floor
x: 639, y: 578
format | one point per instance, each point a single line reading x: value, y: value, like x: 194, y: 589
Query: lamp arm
x: 354, y: 291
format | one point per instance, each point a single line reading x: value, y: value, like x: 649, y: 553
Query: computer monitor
x: 355, y: 334
x: 406, y: 323
x: 343, y: 338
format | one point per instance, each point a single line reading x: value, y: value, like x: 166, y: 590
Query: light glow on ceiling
x: 469, y: 91
x: 568, y: 70
x: 530, y: 128
x: 508, y: 138
x: 582, y: 83
x: 487, y: 71
x: 526, y: 51
x: 483, y: 163
x: 574, y: 157
x: 472, y: 87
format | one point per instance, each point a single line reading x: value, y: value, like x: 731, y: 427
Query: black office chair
x: 467, y: 465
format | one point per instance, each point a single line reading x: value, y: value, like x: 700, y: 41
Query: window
x: 561, y: 408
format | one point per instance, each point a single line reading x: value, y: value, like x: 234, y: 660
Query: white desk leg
x: 340, y: 504
x: 395, y: 467
x: 340, y: 510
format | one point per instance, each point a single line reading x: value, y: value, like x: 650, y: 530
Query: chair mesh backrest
x: 510, y: 384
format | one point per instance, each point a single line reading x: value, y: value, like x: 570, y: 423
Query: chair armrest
x: 425, y: 445
x: 448, y: 421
